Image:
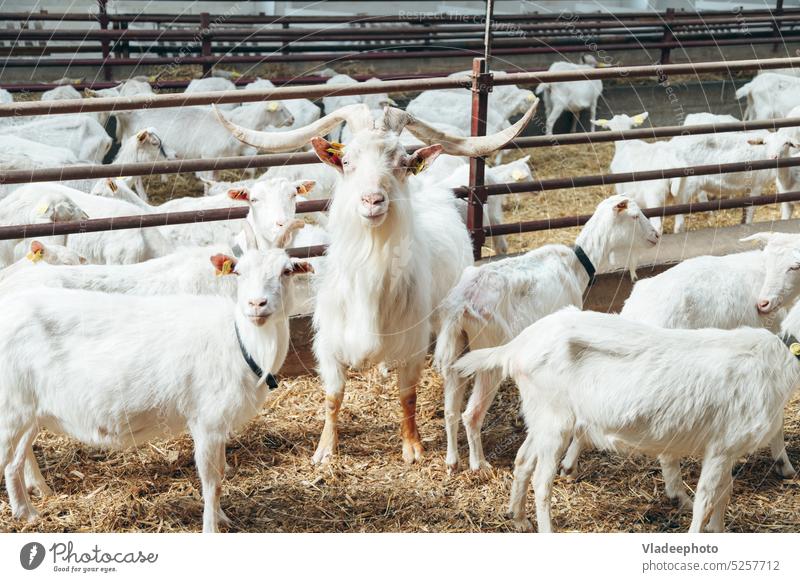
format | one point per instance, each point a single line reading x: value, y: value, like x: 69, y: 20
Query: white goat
x: 303, y: 110
x: 62, y: 92
x: 159, y: 366
x: 41, y: 254
x: 574, y: 96
x: 81, y: 134
x: 636, y: 155
x: 272, y: 204
x: 724, y: 148
x: 109, y: 247
x: 34, y: 206
x: 492, y: 303
x: 752, y: 289
x: 511, y: 172
x: 708, y: 393
x: 394, y: 252
x: 193, y: 132
x: 213, y: 84
x: 770, y: 95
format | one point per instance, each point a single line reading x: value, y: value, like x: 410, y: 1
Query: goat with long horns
x: 397, y: 247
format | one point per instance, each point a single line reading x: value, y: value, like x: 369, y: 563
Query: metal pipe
x: 626, y: 177
x: 571, y: 221
x: 140, y: 221
x: 269, y: 160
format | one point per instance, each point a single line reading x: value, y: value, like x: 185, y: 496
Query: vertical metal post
x: 205, y: 41
x: 481, y: 84
x: 285, y: 41
x: 102, y: 18
x: 668, y: 36
x: 776, y: 26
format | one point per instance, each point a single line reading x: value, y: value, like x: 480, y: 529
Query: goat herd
x: 151, y: 338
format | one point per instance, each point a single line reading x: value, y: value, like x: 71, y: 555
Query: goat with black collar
x: 115, y: 371
x: 492, y: 303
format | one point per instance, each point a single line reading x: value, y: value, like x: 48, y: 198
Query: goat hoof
x: 481, y: 466
x: 412, y: 451
x: 41, y: 489
x: 784, y: 470
x: 224, y: 519
x: 569, y: 473
x: 452, y: 468
x: 522, y: 525
x: 25, y: 513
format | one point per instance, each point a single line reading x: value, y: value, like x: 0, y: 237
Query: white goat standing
x: 636, y: 155
x: 708, y: 393
x: 492, y: 303
x: 159, y: 366
x: 573, y: 96
x: 394, y: 252
x: 752, y: 289
x: 770, y: 95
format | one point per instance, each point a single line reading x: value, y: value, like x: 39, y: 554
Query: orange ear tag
x: 227, y: 268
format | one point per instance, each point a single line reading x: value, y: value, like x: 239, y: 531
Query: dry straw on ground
x: 272, y: 486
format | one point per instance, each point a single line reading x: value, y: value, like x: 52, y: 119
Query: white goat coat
x: 81, y: 134
x: 106, y: 247
x: 184, y: 271
x: 175, y: 363
x: 707, y: 291
x: 378, y: 302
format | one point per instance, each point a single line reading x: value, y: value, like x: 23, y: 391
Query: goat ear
x: 756, y: 141
x: 223, y: 264
x: 296, y: 267
x: 621, y: 206
x: 242, y: 194
x: 305, y: 186
x: 37, y: 252
x: 640, y: 119
x: 90, y: 93
x: 422, y: 158
x: 600, y: 122
x: 329, y: 152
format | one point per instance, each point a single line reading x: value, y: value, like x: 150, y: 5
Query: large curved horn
x: 468, y: 146
x: 356, y: 115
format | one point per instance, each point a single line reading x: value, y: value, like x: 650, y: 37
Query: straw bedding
x: 273, y: 487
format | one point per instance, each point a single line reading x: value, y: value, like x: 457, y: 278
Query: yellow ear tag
x: 35, y: 257
x: 418, y: 167
x: 227, y: 269
x: 41, y: 210
x: 336, y: 149
x: 795, y: 349
x: 530, y: 97
x: 272, y: 106
x: 301, y: 189
x: 639, y: 119
x: 518, y: 175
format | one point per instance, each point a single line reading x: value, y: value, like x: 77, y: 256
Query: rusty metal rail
x: 271, y: 160
x: 580, y: 220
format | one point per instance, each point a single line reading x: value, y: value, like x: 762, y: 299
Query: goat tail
x: 449, y: 342
x: 483, y: 360
x: 745, y: 91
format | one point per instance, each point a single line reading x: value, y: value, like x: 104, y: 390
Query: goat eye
x: 795, y: 267
x: 287, y: 271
